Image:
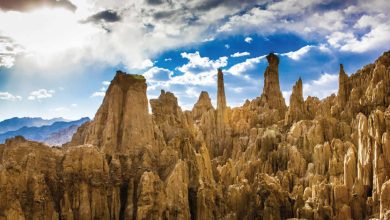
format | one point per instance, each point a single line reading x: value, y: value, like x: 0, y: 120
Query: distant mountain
x: 61, y: 137
x: 45, y: 132
x: 14, y: 124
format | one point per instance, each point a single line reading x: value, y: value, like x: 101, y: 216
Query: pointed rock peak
x: 297, y: 88
x: 165, y: 104
x: 342, y: 72
x: 202, y: 105
x: 204, y: 101
x: 344, y: 89
x: 221, y: 98
x: 273, y: 60
x: 296, y: 110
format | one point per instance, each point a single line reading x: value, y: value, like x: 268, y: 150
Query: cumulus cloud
x: 9, y: 97
x: 240, y: 54
x: 350, y: 28
x: 26, y: 5
x: 41, y: 94
x: 248, y: 40
x: 8, y: 51
x: 376, y: 37
x: 322, y: 87
x: 248, y: 64
x: 104, y: 16
x: 296, y: 55
x: 157, y: 74
x: 197, y: 63
x: 198, y: 71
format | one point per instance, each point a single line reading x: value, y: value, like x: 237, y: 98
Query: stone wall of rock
x: 322, y: 159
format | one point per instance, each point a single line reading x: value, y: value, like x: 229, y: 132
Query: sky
x: 57, y: 57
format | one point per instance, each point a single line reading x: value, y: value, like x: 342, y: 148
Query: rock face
x: 323, y: 159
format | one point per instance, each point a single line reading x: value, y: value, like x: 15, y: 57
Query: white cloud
x: 197, y: 63
x: 98, y: 94
x: 296, y: 55
x: 286, y: 96
x: 248, y: 64
x: 167, y: 59
x: 157, y: 74
x: 238, y: 89
x: 198, y: 71
x: 8, y: 51
x: 208, y: 39
x: 248, y: 40
x: 73, y: 105
x: 41, y: 94
x: 238, y: 54
x: 192, y: 92
x: 143, y: 65
x: 322, y: 87
x: 355, y: 28
x: 376, y: 37
x: 106, y: 83
x: 9, y: 97
x: 227, y: 46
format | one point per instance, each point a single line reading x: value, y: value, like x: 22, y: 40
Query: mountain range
x: 42, y: 130
x: 15, y: 123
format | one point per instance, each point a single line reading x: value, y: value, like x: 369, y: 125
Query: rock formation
x: 297, y: 109
x: 272, y: 95
x: 322, y: 159
x: 221, y: 106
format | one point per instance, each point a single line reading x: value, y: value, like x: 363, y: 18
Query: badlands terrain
x: 314, y: 159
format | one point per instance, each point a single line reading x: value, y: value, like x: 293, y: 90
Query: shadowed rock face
x: 322, y: 159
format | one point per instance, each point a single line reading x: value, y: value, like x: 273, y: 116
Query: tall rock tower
x: 221, y: 119
x: 343, y: 93
x: 272, y: 96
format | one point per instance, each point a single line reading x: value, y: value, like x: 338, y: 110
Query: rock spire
x: 343, y: 93
x: 221, y: 106
x: 272, y: 96
x: 296, y: 110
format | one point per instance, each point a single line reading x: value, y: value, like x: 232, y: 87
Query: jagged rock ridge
x: 316, y: 159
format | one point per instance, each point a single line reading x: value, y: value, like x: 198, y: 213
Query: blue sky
x: 56, y: 59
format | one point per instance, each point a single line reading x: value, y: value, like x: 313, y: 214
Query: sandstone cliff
x: 316, y: 159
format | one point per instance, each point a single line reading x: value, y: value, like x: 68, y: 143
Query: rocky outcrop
x: 323, y: 159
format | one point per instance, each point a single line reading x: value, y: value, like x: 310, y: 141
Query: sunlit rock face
x: 316, y: 159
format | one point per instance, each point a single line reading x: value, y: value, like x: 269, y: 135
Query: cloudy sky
x: 58, y: 56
